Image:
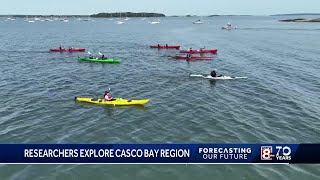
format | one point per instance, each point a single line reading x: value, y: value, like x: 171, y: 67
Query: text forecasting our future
x: 106, y: 153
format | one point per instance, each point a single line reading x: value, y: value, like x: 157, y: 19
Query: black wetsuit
x: 213, y: 74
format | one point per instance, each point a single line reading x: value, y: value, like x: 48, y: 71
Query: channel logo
x: 266, y: 153
x: 283, y: 153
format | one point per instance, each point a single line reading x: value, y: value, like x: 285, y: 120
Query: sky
x: 168, y: 7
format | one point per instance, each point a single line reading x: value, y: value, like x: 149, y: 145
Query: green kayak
x: 100, y: 60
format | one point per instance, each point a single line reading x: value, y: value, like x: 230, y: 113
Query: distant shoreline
x: 298, y: 14
x: 140, y: 14
x: 127, y: 14
x: 99, y: 15
x: 44, y: 16
x: 110, y: 15
x: 301, y: 20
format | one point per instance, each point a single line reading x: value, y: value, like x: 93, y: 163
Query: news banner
x: 159, y: 153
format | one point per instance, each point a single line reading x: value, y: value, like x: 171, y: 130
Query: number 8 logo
x: 266, y: 152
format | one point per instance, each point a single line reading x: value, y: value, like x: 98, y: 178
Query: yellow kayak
x: 115, y: 101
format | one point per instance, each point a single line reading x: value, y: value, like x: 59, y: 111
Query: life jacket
x: 108, y: 96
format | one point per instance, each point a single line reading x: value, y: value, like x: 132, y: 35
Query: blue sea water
x: 278, y: 103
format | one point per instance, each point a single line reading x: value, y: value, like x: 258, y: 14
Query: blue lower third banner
x: 159, y: 153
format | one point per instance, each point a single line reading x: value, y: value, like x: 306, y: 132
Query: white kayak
x: 216, y: 78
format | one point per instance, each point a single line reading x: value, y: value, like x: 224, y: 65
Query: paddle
x: 90, y: 53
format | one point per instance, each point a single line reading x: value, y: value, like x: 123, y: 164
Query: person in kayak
x: 102, y: 56
x: 158, y: 45
x: 190, y: 49
x: 60, y: 47
x: 91, y: 56
x: 214, y: 74
x: 107, y: 96
x: 166, y: 45
x: 188, y: 55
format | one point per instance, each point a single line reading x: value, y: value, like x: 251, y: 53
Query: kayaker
x: 91, y: 56
x: 166, y: 45
x: 188, y: 55
x: 214, y: 74
x: 60, y: 47
x: 102, y: 57
x: 107, y: 96
x: 158, y: 45
x: 190, y: 49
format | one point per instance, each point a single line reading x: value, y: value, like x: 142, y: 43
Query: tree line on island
x: 126, y: 14
x: 110, y: 15
x: 301, y: 20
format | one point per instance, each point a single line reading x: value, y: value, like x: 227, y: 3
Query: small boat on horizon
x: 154, y: 22
x: 10, y: 19
x: 229, y: 27
x: 200, y: 21
x: 120, y: 21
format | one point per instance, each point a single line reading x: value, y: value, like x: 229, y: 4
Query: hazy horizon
x: 299, y: 13
x: 169, y: 8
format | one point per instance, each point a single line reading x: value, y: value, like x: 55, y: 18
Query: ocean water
x: 278, y: 103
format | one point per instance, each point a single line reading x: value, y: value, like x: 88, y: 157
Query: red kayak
x: 68, y: 50
x: 213, y: 51
x: 165, y: 47
x: 192, y: 58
